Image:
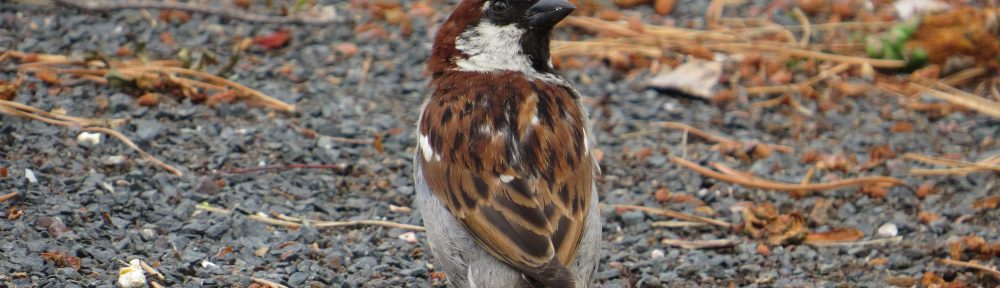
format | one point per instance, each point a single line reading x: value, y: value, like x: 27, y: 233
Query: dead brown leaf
x: 629, y: 3
x: 377, y: 142
x: 148, y: 100
x: 835, y: 236
x: 901, y: 281
x: 662, y: 195
x: 14, y: 213
x: 931, y: 280
x: 168, y: 39
x: 60, y: 259
x: 664, y: 7
x: 991, y: 202
x: 276, y: 39
x: 925, y: 189
x: 927, y: 217
x: 174, y: 16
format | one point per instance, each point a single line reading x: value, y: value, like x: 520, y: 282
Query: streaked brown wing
x: 519, y: 182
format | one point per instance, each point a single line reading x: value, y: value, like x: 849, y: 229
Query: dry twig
x: 808, y: 54
x: 676, y: 224
x: 130, y: 144
x: 701, y: 244
x: 991, y: 163
x: 891, y: 240
x: 989, y: 270
x: 806, y: 26
x: 674, y: 214
x: 285, y: 167
x: 293, y: 222
x: 89, y: 125
x: 799, y: 86
x: 716, y: 138
x: 267, y: 283
x: 133, y: 69
x: 150, y: 270
x: 9, y: 196
x: 945, y: 92
x: 767, y: 184
x: 226, y: 12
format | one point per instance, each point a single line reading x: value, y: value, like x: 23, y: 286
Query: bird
x: 504, y: 165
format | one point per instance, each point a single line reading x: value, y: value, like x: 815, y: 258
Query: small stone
x: 149, y: 129
x: 30, y: 175
x: 633, y: 217
x: 656, y: 253
x: 114, y: 160
x: 887, y: 230
x: 414, y: 272
x: 207, y: 186
x: 147, y: 234
x: 409, y: 237
x: 87, y: 139
x: 132, y: 276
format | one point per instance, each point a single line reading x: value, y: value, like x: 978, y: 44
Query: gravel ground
x: 105, y: 205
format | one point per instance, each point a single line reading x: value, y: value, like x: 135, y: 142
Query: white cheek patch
x: 492, y: 48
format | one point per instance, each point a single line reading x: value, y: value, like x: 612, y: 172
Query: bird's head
x: 498, y: 35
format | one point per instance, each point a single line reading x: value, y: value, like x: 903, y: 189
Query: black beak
x: 546, y: 13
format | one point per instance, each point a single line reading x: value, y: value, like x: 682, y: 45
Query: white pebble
x: 87, y: 139
x: 31, y: 176
x: 409, y: 237
x: 107, y: 187
x: 656, y: 253
x: 113, y: 160
x: 132, y: 276
x: 888, y: 230
x: 206, y: 264
x: 400, y: 209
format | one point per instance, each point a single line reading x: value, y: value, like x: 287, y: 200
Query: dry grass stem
x: 771, y: 185
x: 325, y: 224
x: 713, y: 15
x: 294, y: 222
x: 8, y: 196
x: 991, y: 163
x: 764, y: 90
x: 964, y: 76
x: 808, y: 54
x: 961, y: 98
x: 254, y: 94
x: 134, y: 69
x: 857, y: 25
x: 806, y: 26
x: 130, y: 144
x: 221, y: 10
x: 716, y: 138
x: 989, y: 270
x: 701, y: 244
x: 89, y: 125
x: 676, y: 224
x: 150, y: 270
x: 267, y: 283
x: 891, y: 240
x: 673, y: 214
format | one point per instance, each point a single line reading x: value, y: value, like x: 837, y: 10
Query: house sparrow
x: 504, y: 172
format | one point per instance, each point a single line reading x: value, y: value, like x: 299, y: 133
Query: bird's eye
x: 499, y: 6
